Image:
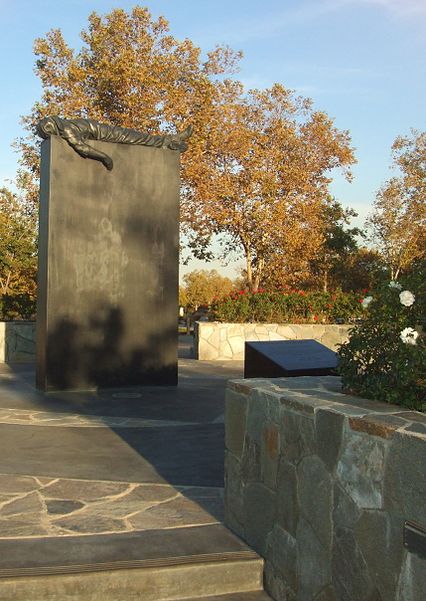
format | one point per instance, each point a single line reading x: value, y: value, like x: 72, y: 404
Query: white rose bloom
x: 393, y: 284
x: 409, y: 336
x: 367, y: 300
x: 407, y: 298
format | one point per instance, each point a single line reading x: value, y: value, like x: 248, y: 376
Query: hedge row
x: 288, y: 307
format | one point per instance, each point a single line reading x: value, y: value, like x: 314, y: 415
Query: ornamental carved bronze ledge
x: 77, y: 131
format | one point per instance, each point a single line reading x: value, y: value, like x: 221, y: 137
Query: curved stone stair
x: 191, y: 563
x: 247, y: 596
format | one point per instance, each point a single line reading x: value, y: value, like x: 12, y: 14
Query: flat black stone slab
x: 288, y: 358
x: 149, y: 548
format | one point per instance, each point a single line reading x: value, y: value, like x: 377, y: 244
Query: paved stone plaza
x: 119, y: 493
x: 37, y: 506
x: 114, y: 461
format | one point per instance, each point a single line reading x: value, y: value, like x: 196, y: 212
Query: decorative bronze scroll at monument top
x: 77, y: 131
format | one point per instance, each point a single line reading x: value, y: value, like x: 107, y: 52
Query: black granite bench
x: 288, y: 358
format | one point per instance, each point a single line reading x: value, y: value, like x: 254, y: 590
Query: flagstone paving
x: 114, y: 461
x: 33, y: 506
x: 45, y: 418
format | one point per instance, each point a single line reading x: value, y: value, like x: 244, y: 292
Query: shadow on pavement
x: 190, y: 452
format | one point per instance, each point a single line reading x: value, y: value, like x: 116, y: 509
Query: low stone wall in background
x: 17, y: 341
x: 320, y: 484
x: 222, y: 341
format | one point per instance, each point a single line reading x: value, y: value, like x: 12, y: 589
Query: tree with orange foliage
x: 129, y: 72
x: 18, y: 255
x: 258, y: 165
x: 398, y: 220
x: 263, y: 180
x: 203, y: 286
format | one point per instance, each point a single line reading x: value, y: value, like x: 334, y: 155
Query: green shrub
x: 17, y: 306
x: 385, y: 357
x: 287, y: 307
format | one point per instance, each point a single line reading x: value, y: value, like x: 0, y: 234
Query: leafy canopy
x: 259, y: 163
x: 398, y: 221
x: 18, y: 255
x: 202, y: 287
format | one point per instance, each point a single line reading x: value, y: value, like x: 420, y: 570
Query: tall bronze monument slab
x: 108, y: 267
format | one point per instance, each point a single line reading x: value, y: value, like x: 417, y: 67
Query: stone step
x: 246, y: 596
x: 153, y: 565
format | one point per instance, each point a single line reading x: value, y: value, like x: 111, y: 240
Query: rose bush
x: 385, y: 357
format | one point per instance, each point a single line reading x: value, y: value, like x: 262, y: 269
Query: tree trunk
x: 253, y: 275
x: 249, y: 269
x: 325, y: 281
x: 259, y: 272
x: 4, y: 283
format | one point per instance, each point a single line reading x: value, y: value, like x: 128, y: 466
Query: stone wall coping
x: 17, y: 322
x: 310, y: 394
x: 271, y: 323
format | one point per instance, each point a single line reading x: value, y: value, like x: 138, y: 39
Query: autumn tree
x: 265, y: 179
x: 259, y: 163
x: 18, y: 251
x: 202, y: 286
x: 130, y: 72
x: 183, y: 298
x: 398, y: 221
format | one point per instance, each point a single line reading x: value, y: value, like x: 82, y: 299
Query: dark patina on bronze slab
x: 288, y: 358
x: 415, y: 538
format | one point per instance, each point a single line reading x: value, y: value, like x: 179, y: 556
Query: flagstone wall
x: 321, y: 484
x: 213, y: 340
x: 17, y: 341
x: 225, y: 341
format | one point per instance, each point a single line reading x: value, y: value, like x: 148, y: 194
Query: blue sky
x: 361, y: 61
